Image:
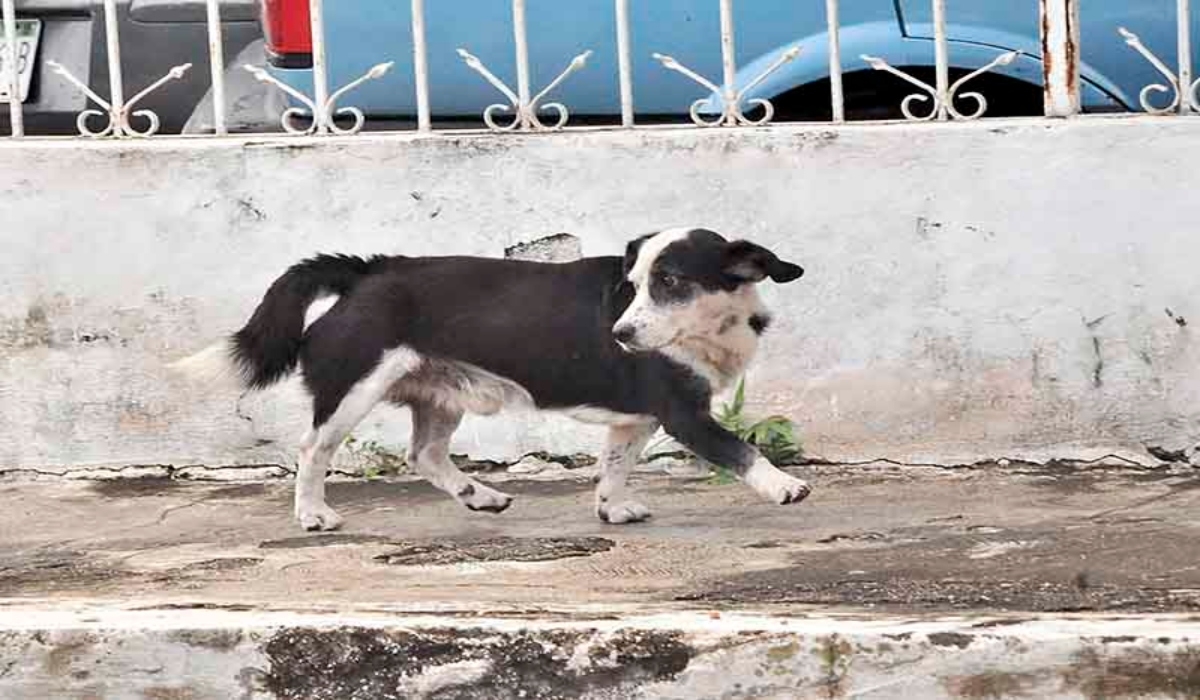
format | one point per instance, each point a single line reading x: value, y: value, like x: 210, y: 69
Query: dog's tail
x: 267, y: 348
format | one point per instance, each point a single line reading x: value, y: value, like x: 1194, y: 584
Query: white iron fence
x: 1059, y: 49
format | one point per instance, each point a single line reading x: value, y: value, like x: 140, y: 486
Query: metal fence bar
x: 421, y: 65
x: 836, y: 94
x: 1185, y: 91
x: 941, y: 59
x: 116, y: 88
x: 15, y: 109
x: 216, y: 61
x: 624, y: 63
x: 323, y: 106
x: 1060, y: 42
x: 320, y: 70
x: 1189, y: 101
x: 943, y: 93
x: 731, y: 98
x: 728, y: 55
x: 523, y: 107
x: 117, y: 110
x: 1060, y: 56
x: 521, y: 39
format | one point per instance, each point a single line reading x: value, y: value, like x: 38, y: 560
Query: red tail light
x: 288, y: 33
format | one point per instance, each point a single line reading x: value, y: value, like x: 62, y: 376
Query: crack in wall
x: 199, y: 472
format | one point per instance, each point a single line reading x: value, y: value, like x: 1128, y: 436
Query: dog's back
x: 631, y: 342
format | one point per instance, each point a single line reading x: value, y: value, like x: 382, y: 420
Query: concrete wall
x: 1007, y: 289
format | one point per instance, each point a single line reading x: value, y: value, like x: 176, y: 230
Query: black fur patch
x: 631, y: 253
x: 759, y: 323
x: 689, y: 266
x: 267, y: 348
x: 496, y: 315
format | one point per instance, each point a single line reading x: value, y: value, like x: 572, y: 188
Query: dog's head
x: 693, y: 282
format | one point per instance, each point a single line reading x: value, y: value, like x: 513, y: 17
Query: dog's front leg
x: 624, y: 446
x: 705, y: 437
x: 310, y: 507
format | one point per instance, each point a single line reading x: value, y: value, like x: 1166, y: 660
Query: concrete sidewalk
x: 1015, y: 581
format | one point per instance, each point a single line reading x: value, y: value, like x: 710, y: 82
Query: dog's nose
x: 623, y: 334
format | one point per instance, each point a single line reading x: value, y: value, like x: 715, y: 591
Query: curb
x: 198, y: 654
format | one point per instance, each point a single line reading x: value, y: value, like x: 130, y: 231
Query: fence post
x: 521, y: 40
x: 116, y: 87
x: 836, y: 94
x: 1188, y: 101
x: 323, y: 115
x: 216, y: 60
x: 1060, y: 56
x: 941, y: 60
x: 421, y: 65
x: 15, y: 110
x: 624, y: 63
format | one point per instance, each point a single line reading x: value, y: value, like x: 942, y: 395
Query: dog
x: 634, y: 343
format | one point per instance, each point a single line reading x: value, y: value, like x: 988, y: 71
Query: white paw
x: 318, y: 517
x: 476, y: 496
x: 774, y: 485
x: 620, y: 512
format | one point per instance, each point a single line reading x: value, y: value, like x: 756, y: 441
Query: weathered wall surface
x: 135, y: 655
x: 1023, y: 289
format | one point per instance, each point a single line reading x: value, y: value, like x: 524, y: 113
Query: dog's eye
x: 669, y: 281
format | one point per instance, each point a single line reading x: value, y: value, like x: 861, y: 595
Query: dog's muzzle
x: 624, y: 335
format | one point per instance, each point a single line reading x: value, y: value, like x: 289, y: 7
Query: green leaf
x: 774, y: 436
x: 722, y: 476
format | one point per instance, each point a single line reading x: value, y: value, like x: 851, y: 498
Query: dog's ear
x: 631, y: 252
x: 752, y: 263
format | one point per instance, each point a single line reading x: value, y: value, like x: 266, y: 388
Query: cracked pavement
x: 1020, y: 538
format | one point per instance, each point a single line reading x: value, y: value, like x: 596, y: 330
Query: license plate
x: 29, y: 31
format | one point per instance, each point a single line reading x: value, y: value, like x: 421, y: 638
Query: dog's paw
x: 776, y: 486
x: 794, y: 491
x: 619, y: 513
x: 318, y: 517
x: 476, y: 496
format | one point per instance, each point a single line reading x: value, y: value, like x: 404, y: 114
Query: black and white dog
x: 633, y: 343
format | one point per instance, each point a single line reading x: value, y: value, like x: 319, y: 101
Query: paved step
x: 888, y: 582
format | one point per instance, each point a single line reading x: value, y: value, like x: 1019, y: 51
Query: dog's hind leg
x: 429, y: 453
x: 624, y: 446
x: 322, y: 442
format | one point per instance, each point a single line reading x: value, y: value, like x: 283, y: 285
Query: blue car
x: 362, y: 34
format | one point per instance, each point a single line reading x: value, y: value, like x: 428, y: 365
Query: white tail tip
x: 213, y: 364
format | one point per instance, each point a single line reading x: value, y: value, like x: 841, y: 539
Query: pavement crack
x: 1001, y: 462
x: 1142, y: 503
x: 162, y: 516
